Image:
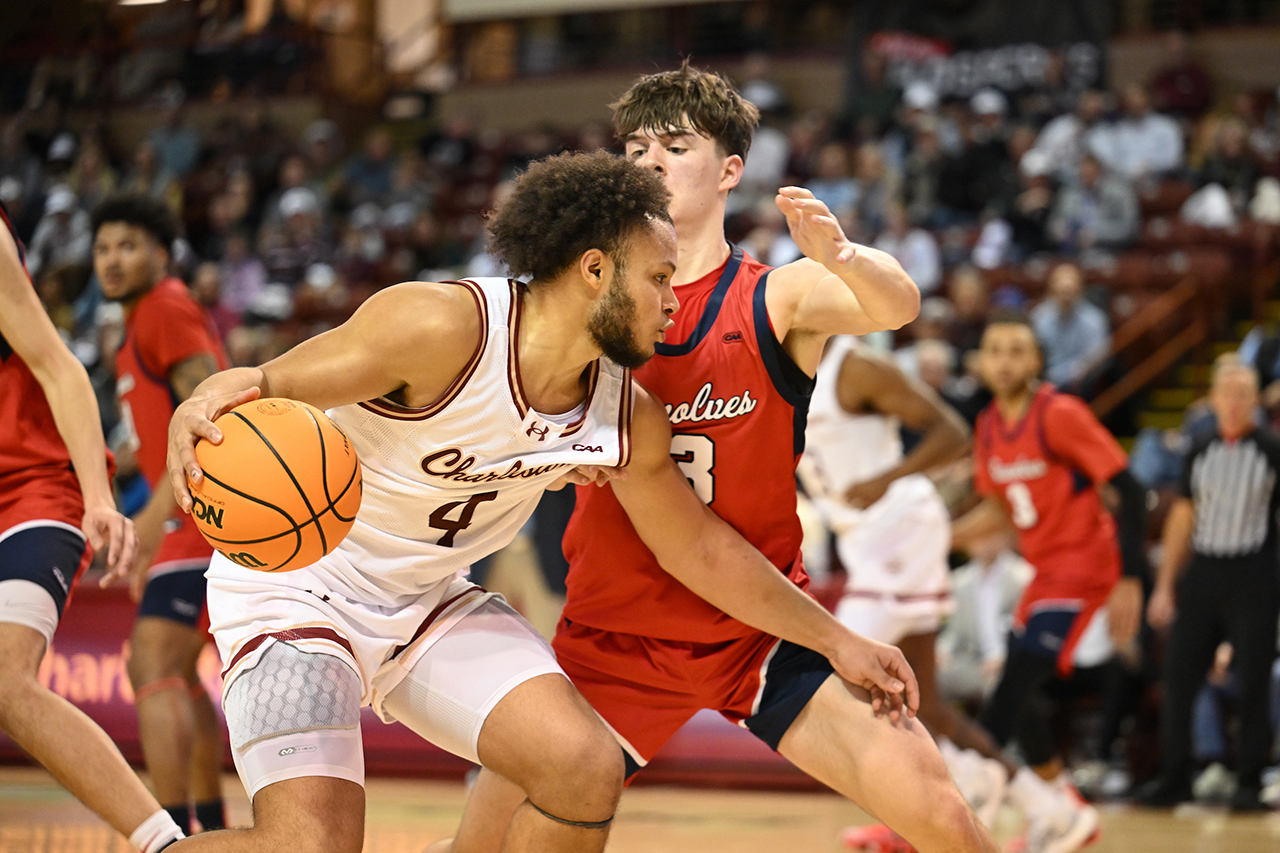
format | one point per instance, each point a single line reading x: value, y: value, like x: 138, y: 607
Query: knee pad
x: 295, y: 714
x: 24, y: 602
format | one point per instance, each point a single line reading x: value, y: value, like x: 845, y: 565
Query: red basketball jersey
x: 29, y: 438
x: 165, y: 328
x: 1047, y: 468
x: 737, y: 405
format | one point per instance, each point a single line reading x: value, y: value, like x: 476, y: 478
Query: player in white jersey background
x: 893, y: 531
x: 466, y: 400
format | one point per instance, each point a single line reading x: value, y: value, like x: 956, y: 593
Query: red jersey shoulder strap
x: 712, y: 310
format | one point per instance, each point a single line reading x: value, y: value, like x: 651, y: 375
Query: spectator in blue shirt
x: 1074, y: 333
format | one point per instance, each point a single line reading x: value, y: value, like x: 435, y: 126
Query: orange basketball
x: 281, y: 490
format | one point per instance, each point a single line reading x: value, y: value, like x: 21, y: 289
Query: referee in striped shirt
x: 1226, y: 517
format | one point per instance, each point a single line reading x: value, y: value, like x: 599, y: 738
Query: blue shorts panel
x: 48, y: 555
x: 1047, y: 630
x: 177, y: 596
x: 793, y: 675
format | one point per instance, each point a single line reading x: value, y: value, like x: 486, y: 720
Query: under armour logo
x: 542, y: 432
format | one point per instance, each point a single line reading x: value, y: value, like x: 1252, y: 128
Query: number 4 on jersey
x: 440, y: 519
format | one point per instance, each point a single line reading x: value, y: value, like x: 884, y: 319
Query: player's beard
x: 612, y: 325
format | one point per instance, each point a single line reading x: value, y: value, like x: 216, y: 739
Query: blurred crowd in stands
x: 285, y: 233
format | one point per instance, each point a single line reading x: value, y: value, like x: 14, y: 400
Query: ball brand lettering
x: 206, y: 513
x: 245, y: 559
x: 1019, y: 469
x: 455, y: 465
x: 275, y: 407
x: 705, y: 408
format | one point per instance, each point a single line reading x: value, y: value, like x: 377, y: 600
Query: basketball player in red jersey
x: 56, y: 509
x: 170, y: 346
x: 644, y: 649
x: 1040, y: 458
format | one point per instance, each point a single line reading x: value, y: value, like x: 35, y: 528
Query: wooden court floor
x: 37, y: 816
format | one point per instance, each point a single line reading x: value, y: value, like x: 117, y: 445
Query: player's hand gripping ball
x: 281, y: 490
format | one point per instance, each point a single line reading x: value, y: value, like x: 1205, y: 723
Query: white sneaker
x: 1060, y: 825
x: 1215, y: 784
x: 982, y: 782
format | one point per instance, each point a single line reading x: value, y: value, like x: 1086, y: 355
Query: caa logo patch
x: 732, y: 337
x: 588, y: 448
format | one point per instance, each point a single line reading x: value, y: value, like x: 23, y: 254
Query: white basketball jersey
x: 840, y: 448
x: 897, y: 547
x: 455, y: 481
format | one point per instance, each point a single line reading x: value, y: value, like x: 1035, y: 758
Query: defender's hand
x: 104, y: 525
x: 815, y: 229
x: 883, y: 671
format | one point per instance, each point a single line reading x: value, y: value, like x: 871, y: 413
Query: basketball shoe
x: 874, y: 838
x: 981, y: 780
x: 1058, y: 819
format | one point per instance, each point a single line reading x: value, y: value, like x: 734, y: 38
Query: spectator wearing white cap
x: 300, y: 242
x: 63, y: 236
x: 971, y: 178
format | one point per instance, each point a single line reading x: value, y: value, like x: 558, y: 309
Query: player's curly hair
x: 686, y: 99
x: 570, y: 203
x: 151, y: 215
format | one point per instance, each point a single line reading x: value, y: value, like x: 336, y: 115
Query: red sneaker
x: 875, y: 838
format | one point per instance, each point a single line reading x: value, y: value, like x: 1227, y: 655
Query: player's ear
x: 731, y: 172
x: 594, y: 266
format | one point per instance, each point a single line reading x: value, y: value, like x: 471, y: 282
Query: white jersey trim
x: 513, y: 367
x: 388, y: 409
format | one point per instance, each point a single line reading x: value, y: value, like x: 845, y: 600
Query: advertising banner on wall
x: 961, y: 46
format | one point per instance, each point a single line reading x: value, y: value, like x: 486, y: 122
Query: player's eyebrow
x: 665, y: 135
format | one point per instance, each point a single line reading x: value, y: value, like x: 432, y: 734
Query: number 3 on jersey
x: 696, y: 456
x: 1022, y: 508
x: 440, y: 519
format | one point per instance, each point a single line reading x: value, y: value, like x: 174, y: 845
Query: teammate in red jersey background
x: 1040, y: 458
x: 56, y: 508
x: 170, y: 346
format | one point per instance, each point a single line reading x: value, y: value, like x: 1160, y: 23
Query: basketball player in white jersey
x: 893, y: 535
x: 465, y: 401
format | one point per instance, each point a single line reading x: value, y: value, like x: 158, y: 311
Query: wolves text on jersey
x: 1020, y: 469
x: 454, y: 464
x: 705, y: 408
